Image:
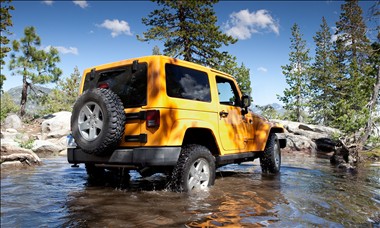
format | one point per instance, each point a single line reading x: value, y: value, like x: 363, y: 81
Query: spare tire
x: 98, y: 121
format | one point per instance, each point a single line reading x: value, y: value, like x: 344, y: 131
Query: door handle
x: 223, y: 114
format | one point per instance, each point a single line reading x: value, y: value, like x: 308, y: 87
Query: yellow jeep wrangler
x: 159, y: 114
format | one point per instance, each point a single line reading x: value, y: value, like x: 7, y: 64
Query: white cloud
x: 333, y: 36
x: 262, y: 69
x: 81, y: 4
x: 64, y: 50
x: 243, y: 24
x: 48, y: 2
x: 117, y: 27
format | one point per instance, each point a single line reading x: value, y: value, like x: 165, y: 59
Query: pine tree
x: 375, y: 96
x: 241, y: 74
x: 322, y: 75
x: 354, y: 84
x: 6, y: 22
x: 156, y: 50
x: 374, y: 61
x: 297, y: 77
x: 188, y: 29
x: 35, y: 65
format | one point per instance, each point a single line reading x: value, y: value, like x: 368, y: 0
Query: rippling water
x: 308, y: 192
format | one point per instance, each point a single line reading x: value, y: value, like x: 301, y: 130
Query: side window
x: 186, y: 83
x: 227, y: 92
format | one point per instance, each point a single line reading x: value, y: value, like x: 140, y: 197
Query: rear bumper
x: 141, y: 157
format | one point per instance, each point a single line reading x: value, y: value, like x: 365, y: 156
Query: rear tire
x: 195, y: 169
x: 114, y: 176
x: 270, y: 160
x: 95, y: 173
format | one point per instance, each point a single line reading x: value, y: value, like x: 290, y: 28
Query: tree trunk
x: 372, y: 105
x: 24, y: 95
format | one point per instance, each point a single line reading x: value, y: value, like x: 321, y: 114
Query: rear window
x: 130, y: 85
x: 187, y: 83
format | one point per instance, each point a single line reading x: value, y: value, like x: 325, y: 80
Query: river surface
x: 307, y: 193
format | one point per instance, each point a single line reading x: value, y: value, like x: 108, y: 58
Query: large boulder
x: 13, y: 121
x: 310, y: 137
x: 300, y: 143
x: 56, y: 126
x: 46, y: 147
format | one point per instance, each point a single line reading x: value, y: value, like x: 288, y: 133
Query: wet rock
x: 46, y: 147
x: 13, y: 121
x: 345, y: 156
x: 56, y: 126
x: 325, y: 144
x: 11, y: 156
x: 11, y: 165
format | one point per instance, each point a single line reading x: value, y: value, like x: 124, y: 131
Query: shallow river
x: 308, y: 192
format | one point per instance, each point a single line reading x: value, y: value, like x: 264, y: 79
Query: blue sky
x: 89, y: 33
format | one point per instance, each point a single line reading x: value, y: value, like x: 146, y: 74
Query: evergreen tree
x: 156, y: 50
x: 36, y: 66
x: 188, y: 29
x: 241, y: 74
x: 297, y: 77
x: 6, y: 22
x: 323, y: 72
x: 374, y: 61
x: 372, y: 106
x: 354, y: 84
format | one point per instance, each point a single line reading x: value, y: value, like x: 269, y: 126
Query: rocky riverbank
x: 322, y: 141
x: 22, y: 144
x: 307, y: 137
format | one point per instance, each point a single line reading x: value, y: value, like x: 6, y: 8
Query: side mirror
x: 245, y: 101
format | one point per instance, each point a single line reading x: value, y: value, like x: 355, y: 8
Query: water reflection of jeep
x: 157, y: 114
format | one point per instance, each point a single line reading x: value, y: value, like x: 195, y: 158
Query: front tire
x: 270, y: 160
x: 195, y: 169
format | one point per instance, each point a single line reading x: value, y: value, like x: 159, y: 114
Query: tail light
x: 153, y: 118
x: 103, y: 85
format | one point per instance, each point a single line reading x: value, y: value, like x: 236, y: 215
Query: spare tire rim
x: 90, y: 121
x: 199, y: 174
